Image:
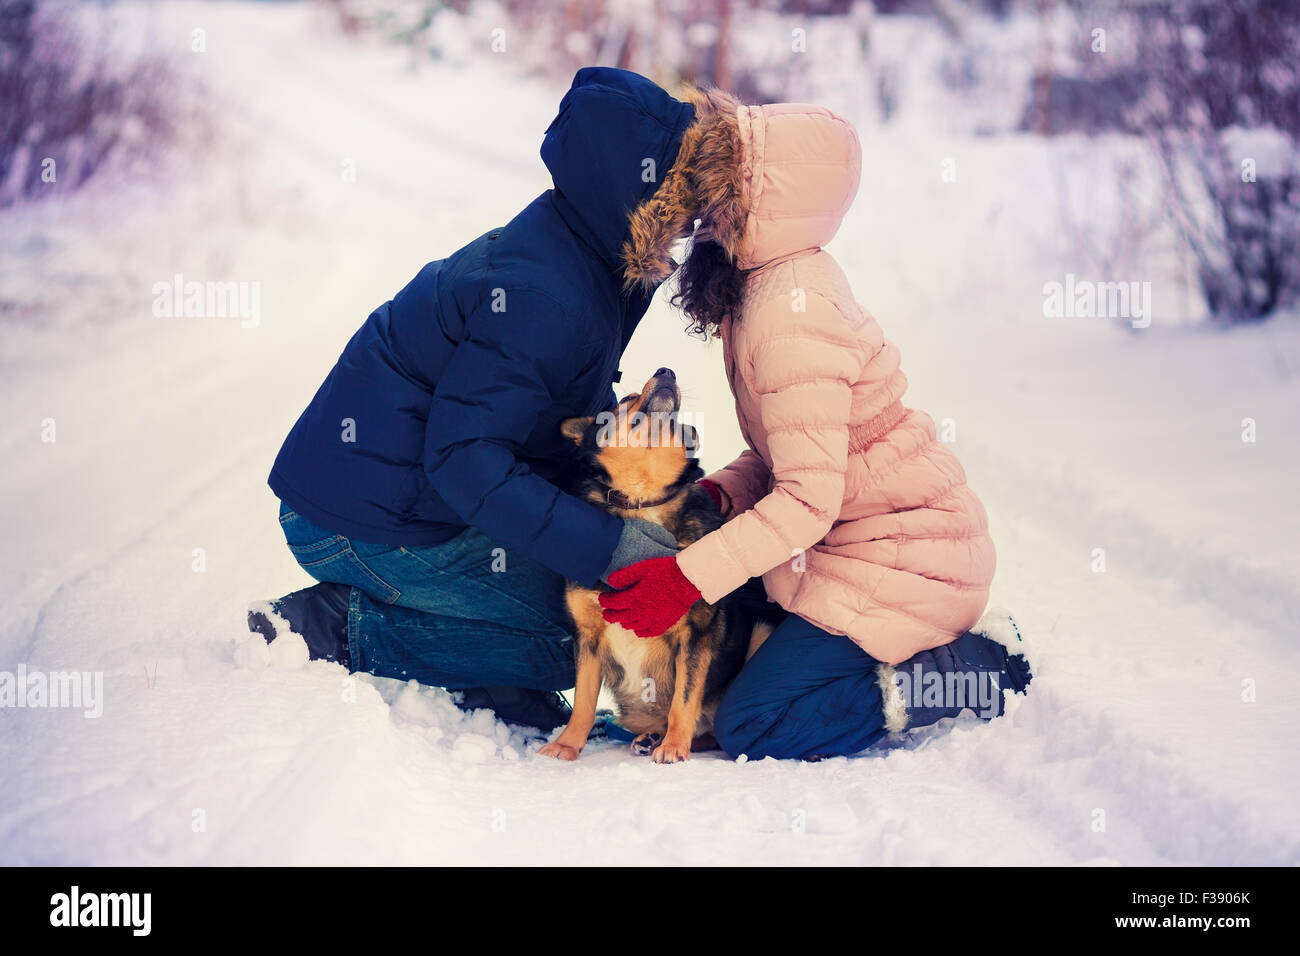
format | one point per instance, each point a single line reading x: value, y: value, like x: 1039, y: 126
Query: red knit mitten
x: 652, y: 596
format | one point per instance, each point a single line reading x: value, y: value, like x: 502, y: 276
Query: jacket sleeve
x: 487, y: 402
x: 803, y: 369
x: 745, y: 480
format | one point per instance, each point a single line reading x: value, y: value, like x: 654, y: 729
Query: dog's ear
x: 574, y: 428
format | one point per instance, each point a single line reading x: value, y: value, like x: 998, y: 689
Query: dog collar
x: 621, y: 501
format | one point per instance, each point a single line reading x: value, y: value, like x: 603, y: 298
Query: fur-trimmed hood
x: 704, y: 183
x: 766, y: 182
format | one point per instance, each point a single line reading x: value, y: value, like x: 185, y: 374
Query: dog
x: 638, y: 462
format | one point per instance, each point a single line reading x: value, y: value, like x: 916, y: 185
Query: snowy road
x: 1136, y: 745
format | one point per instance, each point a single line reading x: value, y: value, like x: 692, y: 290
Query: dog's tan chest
x: 633, y: 656
x: 639, y: 674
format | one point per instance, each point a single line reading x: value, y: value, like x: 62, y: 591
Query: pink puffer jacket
x: 857, y: 518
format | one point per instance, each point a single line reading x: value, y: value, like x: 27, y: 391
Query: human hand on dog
x: 652, y: 596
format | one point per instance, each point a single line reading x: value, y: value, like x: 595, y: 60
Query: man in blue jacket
x: 418, y: 485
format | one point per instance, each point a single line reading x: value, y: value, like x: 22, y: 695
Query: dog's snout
x: 665, y: 373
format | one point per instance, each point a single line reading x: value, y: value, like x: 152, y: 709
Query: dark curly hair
x: 709, y: 287
x: 709, y: 284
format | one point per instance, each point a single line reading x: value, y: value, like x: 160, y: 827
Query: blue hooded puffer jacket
x: 443, y: 410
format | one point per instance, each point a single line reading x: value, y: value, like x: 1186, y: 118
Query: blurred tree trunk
x: 1043, y: 69
x: 722, y: 51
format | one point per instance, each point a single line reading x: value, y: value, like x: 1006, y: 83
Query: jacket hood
x: 613, y: 142
x: 800, y: 171
x: 766, y: 182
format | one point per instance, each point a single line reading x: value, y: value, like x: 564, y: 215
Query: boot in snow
x: 543, y: 709
x: 318, y: 614
x: 971, y: 672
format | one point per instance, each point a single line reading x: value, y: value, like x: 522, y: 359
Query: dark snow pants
x: 808, y: 693
x: 804, y: 693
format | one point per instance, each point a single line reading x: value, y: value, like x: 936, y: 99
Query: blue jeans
x: 466, y: 613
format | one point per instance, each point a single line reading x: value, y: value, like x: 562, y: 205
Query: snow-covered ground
x: 1135, y: 746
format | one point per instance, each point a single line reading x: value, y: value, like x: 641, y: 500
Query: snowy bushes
x: 66, y: 111
x: 1223, y: 111
x: 1235, y: 198
x: 1214, y: 89
x: 752, y: 48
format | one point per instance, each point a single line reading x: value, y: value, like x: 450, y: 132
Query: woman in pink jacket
x: 857, y: 518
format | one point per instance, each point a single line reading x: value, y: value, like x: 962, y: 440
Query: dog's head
x: 640, y: 454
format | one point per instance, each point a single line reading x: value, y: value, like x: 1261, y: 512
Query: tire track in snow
x: 72, y: 581
x: 1266, y: 599
x: 1145, y: 774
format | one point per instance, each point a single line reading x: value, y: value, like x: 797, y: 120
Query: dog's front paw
x: 560, y: 751
x: 672, y: 752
